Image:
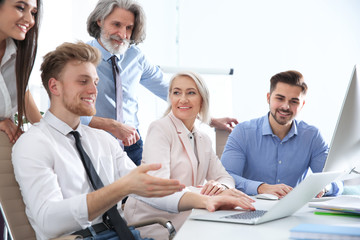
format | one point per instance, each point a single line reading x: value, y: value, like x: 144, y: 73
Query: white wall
x: 261, y: 38
x: 62, y: 21
x: 257, y: 38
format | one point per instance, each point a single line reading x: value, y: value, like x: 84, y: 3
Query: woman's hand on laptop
x: 213, y: 188
x: 192, y: 200
x: 225, y: 202
x: 236, y: 193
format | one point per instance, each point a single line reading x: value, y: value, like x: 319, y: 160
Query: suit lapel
x: 201, y: 155
x: 182, y: 133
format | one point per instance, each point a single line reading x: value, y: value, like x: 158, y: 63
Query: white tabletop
x: 277, y: 229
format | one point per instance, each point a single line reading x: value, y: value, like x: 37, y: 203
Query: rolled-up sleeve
x: 45, y: 204
x: 168, y: 203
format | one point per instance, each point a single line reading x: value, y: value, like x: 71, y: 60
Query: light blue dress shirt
x: 134, y: 69
x: 254, y: 155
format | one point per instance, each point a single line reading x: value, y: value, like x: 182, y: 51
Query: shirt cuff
x: 169, y: 203
x: 252, y: 187
x: 336, y: 189
x: 80, y: 210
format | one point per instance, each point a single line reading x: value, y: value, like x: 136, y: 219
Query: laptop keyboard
x: 247, y: 215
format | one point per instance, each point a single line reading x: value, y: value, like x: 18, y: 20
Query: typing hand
x: 236, y: 193
x: 228, y: 202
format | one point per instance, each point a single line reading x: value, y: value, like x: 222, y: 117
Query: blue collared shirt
x: 134, y: 69
x: 254, y: 155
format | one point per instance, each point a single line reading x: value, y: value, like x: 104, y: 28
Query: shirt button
x: 278, y: 180
x: 279, y: 162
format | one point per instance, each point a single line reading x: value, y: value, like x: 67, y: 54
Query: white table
x: 277, y: 229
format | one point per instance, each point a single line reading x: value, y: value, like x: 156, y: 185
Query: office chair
x: 221, y: 137
x: 13, y: 208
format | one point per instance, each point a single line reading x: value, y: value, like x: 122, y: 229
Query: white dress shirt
x: 53, y: 180
x: 8, y: 100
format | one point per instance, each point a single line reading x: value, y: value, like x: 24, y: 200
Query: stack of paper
x: 345, y: 203
x: 319, y: 231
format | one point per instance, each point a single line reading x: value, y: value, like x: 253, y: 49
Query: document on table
x: 345, y: 203
x: 320, y: 231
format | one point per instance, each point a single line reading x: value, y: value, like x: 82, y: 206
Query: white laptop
x: 286, y: 206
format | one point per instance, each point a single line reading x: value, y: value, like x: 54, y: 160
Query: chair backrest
x: 13, y: 208
x: 221, y: 138
x: 11, y: 202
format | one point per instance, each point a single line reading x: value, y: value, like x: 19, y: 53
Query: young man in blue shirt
x: 272, y: 154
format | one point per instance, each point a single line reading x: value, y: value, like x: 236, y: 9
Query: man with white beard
x: 117, y: 27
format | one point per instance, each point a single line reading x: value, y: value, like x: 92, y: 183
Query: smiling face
x: 285, y: 103
x: 116, y: 30
x: 17, y: 17
x: 185, y: 100
x: 75, y: 92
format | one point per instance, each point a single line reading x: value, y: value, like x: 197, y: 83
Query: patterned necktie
x: 116, y: 220
x: 118, y: 89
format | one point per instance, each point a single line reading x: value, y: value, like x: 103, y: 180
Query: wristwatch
x: 170, y: 227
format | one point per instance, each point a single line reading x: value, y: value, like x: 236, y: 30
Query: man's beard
x: 78, y: 109
x: 114, y: 48
x: 279, y: 120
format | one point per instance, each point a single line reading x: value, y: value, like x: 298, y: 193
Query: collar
x: 106, y: 55
x: 180, y: 126
x: 266, y: 128
x: 10, y: 50
x: 59, y: 125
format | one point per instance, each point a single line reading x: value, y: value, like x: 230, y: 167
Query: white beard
x: 114, y: 48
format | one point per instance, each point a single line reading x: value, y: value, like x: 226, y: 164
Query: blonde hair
x: 204, y: 115
x: 55, y: 61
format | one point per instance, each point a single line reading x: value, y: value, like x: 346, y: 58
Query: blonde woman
x: 184, y: 152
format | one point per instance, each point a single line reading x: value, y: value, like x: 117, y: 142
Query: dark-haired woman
x: 19, y: 24
x: 19, y: 21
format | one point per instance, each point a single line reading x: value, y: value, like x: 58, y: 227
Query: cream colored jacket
x: 167, y: 143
